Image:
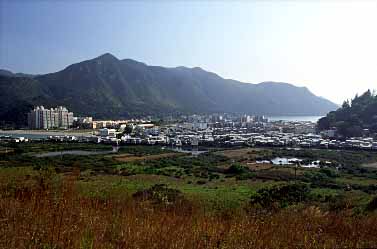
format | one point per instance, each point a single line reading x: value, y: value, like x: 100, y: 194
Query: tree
x: 346, y: 104
x: 352, y: 118
x: 128, y: 129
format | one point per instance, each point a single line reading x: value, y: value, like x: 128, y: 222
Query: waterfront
x: 295, y: 118
x: 77, y: 152
x: 42, y: 134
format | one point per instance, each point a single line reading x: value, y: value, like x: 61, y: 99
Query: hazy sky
x: 331, y: 47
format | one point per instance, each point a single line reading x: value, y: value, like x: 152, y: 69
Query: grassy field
x: 150, y: 197
x: 50, y: 215
x: 132, y: 158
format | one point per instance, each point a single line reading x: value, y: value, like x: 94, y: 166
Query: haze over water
x: 295, y: 118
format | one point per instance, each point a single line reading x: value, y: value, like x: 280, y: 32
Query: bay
x: 295, y: 118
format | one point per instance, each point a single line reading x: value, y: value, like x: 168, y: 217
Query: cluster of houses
x: 14, y: 139
x: 175, y: 135
x: 215, y: 130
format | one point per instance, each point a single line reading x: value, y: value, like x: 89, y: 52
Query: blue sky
x: 331, y: 48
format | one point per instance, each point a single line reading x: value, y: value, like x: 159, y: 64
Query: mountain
x: 106, y: 87
x: 8, y: 73
x: 353, y: 117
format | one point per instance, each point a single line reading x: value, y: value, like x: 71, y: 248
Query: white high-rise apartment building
x: 41, y: 118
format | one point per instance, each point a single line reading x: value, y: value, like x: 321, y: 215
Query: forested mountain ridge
x: 106, y: 87
x: 353, y: 117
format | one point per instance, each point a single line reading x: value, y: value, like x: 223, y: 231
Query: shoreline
x: 46, y: 133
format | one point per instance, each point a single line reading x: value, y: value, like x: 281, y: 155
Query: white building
x: 200, y: 125
x: 42, y: 118
x: 105, y: 132
x: 328, y: 133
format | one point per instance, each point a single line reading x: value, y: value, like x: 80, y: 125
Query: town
x: 212, y: 130
x: 188, y: 124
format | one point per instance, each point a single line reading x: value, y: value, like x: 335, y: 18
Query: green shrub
x: 245, y: 176
x: 201, y: 182
x: 236, y: 169
x: 159, y: 194
x: 329, y: 172
x: 281, y: 195
x: 338, y: 202
x: 372, y: 205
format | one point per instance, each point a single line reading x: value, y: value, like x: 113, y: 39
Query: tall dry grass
x: 45, y: 216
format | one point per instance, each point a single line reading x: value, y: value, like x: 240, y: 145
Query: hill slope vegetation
x: 353, y: 117
x: 106, y: 87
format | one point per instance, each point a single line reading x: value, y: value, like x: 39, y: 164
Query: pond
x: 77, y: 152
x: 285, y: 161
x: 192, y: 151
x: 291, y: 161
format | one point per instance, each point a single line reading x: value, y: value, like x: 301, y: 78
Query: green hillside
x: 106, y: 87
x: 354, y: 118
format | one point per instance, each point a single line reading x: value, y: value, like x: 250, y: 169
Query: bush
x: 322, y: 178
x: 339, y: 203
x: 236, y: 169
x: 329, y: 172
x: 245, y: 176
x: 372, y: 205
x: 159, y: 194
x: 281, y: 195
